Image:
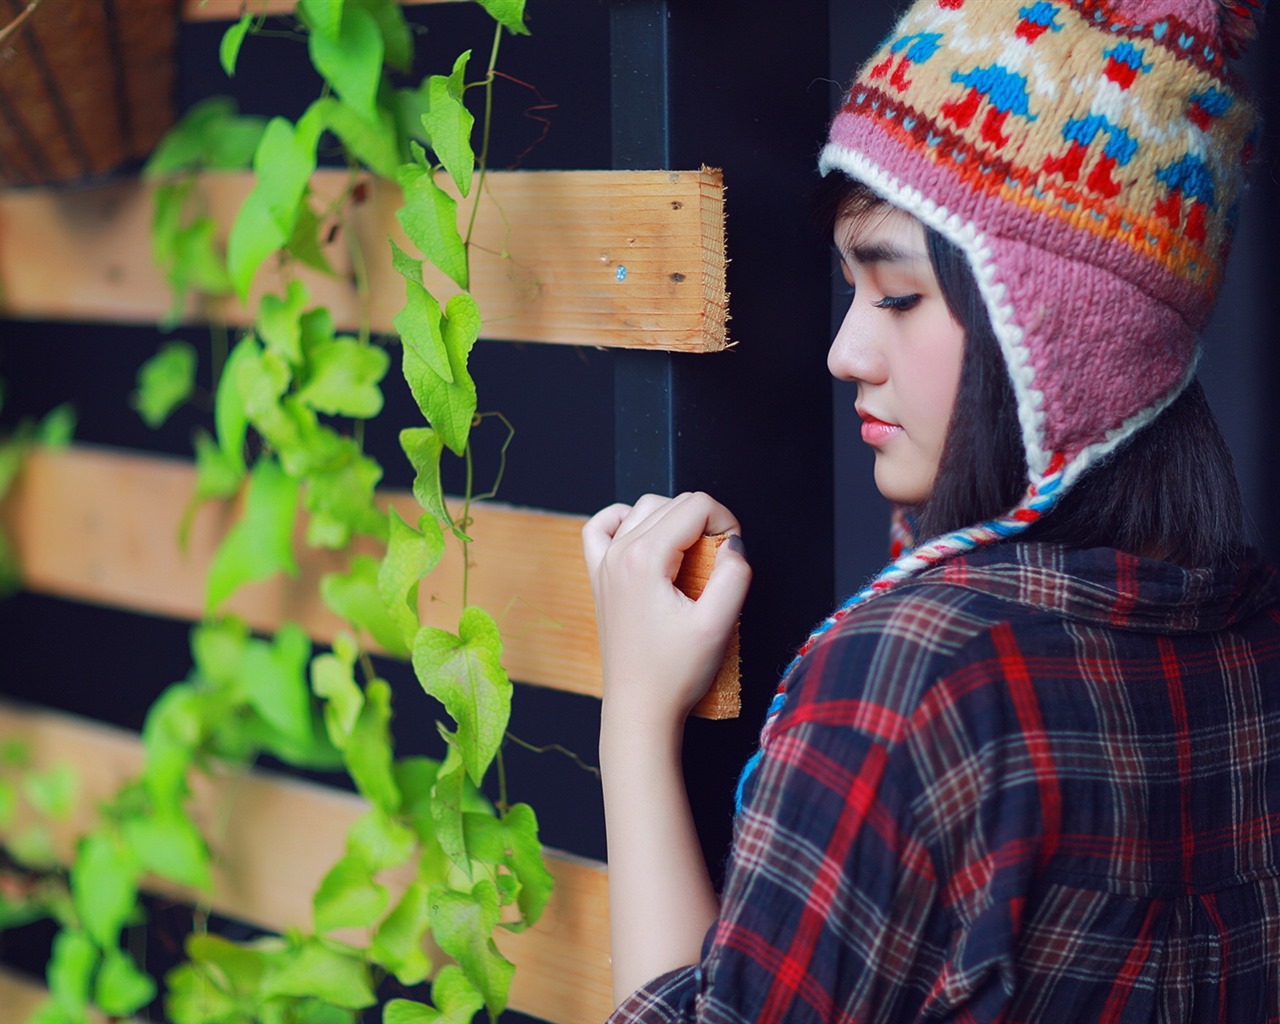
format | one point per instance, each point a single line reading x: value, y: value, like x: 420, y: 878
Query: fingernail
x: 734, y: 543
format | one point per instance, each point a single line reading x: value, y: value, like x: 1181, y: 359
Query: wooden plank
x: 609, y: 258
x: 100, y: 525
x: 276, y: 837
x: 21, y: 994
x: 230, y: 10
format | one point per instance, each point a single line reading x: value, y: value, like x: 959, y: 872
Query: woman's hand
x: 660, y: 650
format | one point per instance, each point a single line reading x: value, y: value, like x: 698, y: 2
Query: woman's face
x: 900, y: 345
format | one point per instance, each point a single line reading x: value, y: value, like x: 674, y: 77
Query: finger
x: 646, y: 506
x: 599, y: 531
x: 687, y: 518
x: 730, y: 579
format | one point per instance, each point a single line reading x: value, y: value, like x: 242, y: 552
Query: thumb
x: 726, y: 588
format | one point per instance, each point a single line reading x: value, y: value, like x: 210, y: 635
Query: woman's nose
x: 855, y: 354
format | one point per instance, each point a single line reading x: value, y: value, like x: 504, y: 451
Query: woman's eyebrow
x: 868, y: 253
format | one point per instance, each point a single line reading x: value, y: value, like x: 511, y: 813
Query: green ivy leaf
x: 254, y: 236
x: 318, y: 971
x: 398, y: 943
x: 429, y: 217
x: 243, y: 967
x: 323, y: 17
x: 397, y: 40
x: 416, y: 778
x: 52, y: 792
x: 407, y: 1011
x: 465, y: 674
x: 343, y: 378
x: 333, y: 681
x: 453, y: 406
x: 410, y: 556
x: 305, y: 245
x: 410, y: 269
x: 170, y: 735
x: 168, y: 844
x: 57, y: 426
x: 261, y: 543
x: 232, y: 39
x: 354, y: 596
x: 371, y: 140
x: 423, y: 447
x: 369, y: 752
x: 104, y: 885
x: 379, y: 841
x: 122, y: 989
x: 447, y: 814
x: 165, y: 381
x: 194, y: 260
x: 230, y: 420
x: 217, y: 476
x: 508, y: 13
x: 457, y: 999
x: 192, y: 996
x: 70, y: 973
x: 524, y: 859
x: 449, y: 406
x: 8, y: 803
x: 283, y: 163
x: 210, y: 135
x: 462, y: 924
x: 217, y: 648
x: 348, y: 897
x: 277, y: 688
x: 351, y: 60
x: 33, y: 848
x: 448, y: 124
x: 419, y: 326
x: 279, y: 321
x: 408, y: 106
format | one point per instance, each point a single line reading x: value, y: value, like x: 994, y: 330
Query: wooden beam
x: 632, y: 259
x: 275, y: 838
x: 230, y: 10
x: 100, y: 525
x: 20, y: 995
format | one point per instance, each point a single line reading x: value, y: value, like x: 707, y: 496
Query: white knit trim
x: 973, y: 244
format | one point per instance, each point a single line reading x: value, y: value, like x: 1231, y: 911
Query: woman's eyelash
x: 897, y: 303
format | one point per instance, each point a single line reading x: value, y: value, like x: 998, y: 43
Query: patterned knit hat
x: 1086, y: 157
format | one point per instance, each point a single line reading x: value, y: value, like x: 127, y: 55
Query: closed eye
x: 898, y: 303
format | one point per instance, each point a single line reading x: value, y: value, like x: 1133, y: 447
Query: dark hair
x: 1168, y: 492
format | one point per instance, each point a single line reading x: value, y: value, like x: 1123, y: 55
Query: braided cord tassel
x: 1039, y: 499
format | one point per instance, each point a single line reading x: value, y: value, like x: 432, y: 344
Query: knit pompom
x: 1241, y: 20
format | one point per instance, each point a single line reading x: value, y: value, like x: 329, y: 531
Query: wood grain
x: 275, y: 837
x: 231, y: 10
x: 100, y: 525
x: 724, y: 698
x: 630, y: 259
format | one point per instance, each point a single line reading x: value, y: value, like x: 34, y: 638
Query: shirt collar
x: 1111, y: 587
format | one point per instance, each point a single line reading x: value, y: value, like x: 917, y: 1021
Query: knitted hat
x: 1086, y: 157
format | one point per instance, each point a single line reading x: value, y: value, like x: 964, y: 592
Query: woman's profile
x: 1030, y: 772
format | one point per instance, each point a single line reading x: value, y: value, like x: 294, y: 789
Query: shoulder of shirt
x: 891, y: 651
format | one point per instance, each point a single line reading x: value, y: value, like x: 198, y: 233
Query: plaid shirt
x: 1032, y: 785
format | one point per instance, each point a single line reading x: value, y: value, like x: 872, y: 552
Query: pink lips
x: 876, y: 432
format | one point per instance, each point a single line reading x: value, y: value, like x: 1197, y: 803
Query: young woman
x: 1032, y: 771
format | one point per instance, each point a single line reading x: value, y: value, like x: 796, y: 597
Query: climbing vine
x: 291, y: 396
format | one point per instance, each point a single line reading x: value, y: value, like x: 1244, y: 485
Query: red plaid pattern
x: 1032, y: 785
